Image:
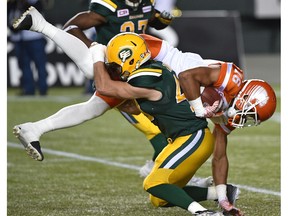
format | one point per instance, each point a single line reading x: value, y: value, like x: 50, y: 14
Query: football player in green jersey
x: 158, y: 94
x: 111, y: 17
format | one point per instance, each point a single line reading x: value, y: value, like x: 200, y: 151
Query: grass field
x: 92, y: 169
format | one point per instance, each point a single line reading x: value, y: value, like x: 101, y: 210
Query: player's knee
x: 157, y: 177
x: 157, y: 202
x: 146, y: 183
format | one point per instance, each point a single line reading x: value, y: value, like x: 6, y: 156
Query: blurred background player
x: 29, y: 48
x: 112, y: 17
x: 109, y: 18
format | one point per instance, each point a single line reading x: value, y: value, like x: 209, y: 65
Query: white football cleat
x: 31, y: 19
x: 27, y: 134
x: 146, y: 169
x: 201, y: 182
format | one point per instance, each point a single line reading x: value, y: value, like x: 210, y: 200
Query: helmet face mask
x: 245, y: 117
x: 133, y: 3
x: 128, y: 51
x: 114, y: 70
x: 255, y: 103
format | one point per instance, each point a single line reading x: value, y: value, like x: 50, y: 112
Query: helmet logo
x: 125, y: 54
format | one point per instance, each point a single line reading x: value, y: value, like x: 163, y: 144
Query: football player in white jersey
x: 29, y: 133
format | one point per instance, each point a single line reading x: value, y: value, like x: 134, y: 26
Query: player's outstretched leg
x: 29, y: 138
x: 31, y: 19
x: 77, y: 50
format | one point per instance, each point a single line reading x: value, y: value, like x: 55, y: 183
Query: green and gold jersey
x: 172, y: 113
x: 120, y: 18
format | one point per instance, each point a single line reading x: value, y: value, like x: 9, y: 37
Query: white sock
x: 73, y: 47
x: 48, y: 29
x: 212, y: 194
x: 194, y: 207
x: 73, y: 115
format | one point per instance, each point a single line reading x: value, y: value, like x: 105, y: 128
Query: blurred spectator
x: 29, y: 47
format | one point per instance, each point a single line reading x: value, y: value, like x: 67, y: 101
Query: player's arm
x: 220, y: 161
x: 190, y: 82
x: 82, y: 21
x: 220, y: 166
x: 130, y: 106
x: 119, y: 89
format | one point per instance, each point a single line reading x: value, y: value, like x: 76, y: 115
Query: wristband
x: 197, y: 107
x: 98, y: 52
x: 221, y: 192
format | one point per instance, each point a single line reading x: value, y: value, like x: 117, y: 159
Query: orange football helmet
x: 255, y: 103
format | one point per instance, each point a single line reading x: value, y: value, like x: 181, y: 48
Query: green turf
x: 67, y: 186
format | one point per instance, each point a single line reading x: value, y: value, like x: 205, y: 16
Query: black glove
x: 161, y: 20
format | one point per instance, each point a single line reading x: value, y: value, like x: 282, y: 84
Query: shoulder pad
x: 145, y: 72
x: 109, y: 4
x: 145, y: 77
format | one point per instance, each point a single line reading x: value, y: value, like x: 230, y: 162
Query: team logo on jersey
x: 125, y: 54
x: 122, y: 13
x: 147, y: 9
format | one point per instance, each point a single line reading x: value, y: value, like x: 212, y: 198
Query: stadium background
x: 246, y: 32
x: 80, y: 175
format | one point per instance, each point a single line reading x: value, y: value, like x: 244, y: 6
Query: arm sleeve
x: 177, y: 60
x: 154, y: 44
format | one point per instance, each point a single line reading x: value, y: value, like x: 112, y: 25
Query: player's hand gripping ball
x: 209, y: 96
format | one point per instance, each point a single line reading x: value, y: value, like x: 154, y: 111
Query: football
x: 209, y: 96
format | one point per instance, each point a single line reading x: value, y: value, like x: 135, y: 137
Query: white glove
x: 228, y: 208
x: 98, y: 52
x: 201, y: 111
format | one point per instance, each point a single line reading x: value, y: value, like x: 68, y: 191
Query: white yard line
x: 127, y: 166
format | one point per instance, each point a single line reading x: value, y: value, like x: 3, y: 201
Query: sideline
x: 127, y: 166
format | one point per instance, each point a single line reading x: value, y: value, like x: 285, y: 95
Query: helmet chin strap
x: 125, y: 75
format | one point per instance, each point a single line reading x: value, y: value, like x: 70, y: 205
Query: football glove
x: 229, y: 209
x: 164, y: 17
x: 160, y: 20
x: 203, y: 112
